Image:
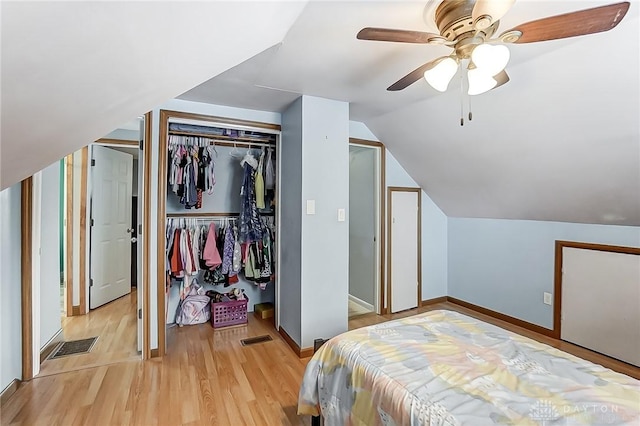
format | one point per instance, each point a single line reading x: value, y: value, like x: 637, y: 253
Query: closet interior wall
x: 221, y: 205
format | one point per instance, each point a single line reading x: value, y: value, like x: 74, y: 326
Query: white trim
x: 57, y: 338
x: 361, y: 303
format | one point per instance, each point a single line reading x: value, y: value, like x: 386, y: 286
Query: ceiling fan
x: 467, y: 26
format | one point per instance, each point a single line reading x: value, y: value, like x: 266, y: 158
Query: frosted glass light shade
x: 441, y: 74
x: 490, y: 59
x: 480, y: 81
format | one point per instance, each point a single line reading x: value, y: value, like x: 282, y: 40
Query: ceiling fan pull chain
x: 470, y: 113
x: 461, y: 96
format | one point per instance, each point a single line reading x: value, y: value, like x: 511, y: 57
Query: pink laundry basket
x: 224, y: 314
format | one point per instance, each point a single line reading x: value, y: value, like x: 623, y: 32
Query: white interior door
x: 601, y: 302
x: 404, y: 250
x: 111, y: 178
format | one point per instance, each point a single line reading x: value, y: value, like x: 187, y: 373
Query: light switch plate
x: 341, y: 215
x: 311, y: 206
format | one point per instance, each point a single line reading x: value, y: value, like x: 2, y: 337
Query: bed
x: 446, y: 368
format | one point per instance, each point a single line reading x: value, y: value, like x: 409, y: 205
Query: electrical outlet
x: 548, y: 300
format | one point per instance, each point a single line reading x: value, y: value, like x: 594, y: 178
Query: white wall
x: 10, y: 283
x: 506, y: 265
x: 325, y: 241
x: 50, y: 308
x: 123, y: 134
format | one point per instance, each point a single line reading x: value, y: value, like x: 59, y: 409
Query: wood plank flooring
x: 115, y: 324
x: 207, y: 377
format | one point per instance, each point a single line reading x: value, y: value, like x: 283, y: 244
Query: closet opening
x: 218, y: 218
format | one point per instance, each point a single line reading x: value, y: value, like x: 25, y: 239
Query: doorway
x: 365, y: 242
x: 404, y: 248
x: 102, y: 257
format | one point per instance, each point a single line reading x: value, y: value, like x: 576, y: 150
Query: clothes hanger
x: 235, y: 153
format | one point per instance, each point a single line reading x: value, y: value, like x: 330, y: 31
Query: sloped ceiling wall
x: 559, y: 142
x: 74, y: 71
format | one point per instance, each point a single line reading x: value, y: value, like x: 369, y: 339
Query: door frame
x: 390, y: 191
x: 27, y: 283
x: 380, y: 240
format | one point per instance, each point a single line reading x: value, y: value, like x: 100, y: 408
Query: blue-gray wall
x: 10, y: 279
x: 434, y: 233
x: 506, y: 265
x: 325, y: 241
x: 291, y: 220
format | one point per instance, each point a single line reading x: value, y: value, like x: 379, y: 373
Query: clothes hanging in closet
x: 250, y: 226
x: 191, y: 169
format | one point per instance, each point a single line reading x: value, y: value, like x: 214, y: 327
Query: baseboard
x: 512, y: 320
x: 75, y: 310
x: 302, y: 353
x: 306, y: 352
x: 433, y: 301
x: 51, y: 345
x: 8, y: 391
x: 362, y: 303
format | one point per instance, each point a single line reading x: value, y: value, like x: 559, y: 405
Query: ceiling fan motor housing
x: 454, y: 21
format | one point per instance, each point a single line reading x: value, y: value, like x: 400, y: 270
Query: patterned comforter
x: 445, y: 368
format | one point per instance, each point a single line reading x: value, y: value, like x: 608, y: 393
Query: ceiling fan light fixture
x: 490, y: 59
x: 441, y: 74
x: 480, y: 81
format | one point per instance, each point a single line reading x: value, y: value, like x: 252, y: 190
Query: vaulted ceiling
x: 560, y: 141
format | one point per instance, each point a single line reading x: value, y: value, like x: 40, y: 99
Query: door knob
x: 130, y: 230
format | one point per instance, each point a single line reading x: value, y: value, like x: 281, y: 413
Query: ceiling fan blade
x: 486, y: 12
x: 502, y: 78
x: 588, y: 21
x: 402, y: 36
x: 412, y: 77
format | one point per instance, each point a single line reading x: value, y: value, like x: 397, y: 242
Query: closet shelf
x: 181, y: 215
x: 222, y: 139
x: 204, y: 215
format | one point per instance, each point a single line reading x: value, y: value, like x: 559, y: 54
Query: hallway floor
x: 115, y: 324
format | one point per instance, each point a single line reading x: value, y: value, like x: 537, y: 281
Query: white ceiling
x: 72, y: 71
x: 559, y: 142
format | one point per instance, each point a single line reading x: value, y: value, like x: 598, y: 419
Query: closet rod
x: 225, y: 141
x: 201, y: 215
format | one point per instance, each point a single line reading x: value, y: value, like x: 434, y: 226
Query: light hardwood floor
x: 115, y: 324
x: 207, y: 378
